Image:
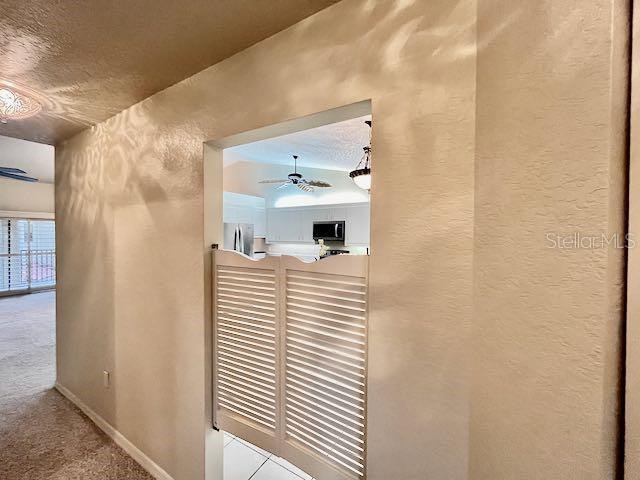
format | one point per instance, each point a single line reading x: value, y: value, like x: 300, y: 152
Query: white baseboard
x: 149, y: 465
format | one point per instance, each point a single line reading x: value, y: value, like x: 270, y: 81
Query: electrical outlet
x: 106, y: 379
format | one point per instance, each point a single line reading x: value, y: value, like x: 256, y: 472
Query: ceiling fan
x: 16, y: 174
x: 298, y: 180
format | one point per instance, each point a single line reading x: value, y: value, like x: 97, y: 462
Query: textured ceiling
x: 337, y: 146
x: 34, y: 158
x: 91, y: 60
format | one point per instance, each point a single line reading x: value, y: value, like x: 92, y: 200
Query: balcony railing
x: 27, y: 271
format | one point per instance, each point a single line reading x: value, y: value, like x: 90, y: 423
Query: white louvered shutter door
x: 291, y: 358
x: 325, y: 358
x: 246, y: 347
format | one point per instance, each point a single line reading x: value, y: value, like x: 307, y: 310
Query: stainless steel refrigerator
x: 239, y: 237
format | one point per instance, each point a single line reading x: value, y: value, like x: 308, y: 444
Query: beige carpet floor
x: 43, y: 436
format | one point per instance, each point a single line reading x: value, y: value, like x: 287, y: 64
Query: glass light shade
x: 362, y: 178
x: 15, y: 105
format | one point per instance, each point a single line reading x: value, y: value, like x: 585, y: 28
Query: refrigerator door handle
x: 235, y: 238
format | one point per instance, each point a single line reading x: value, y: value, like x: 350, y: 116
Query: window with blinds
x: 290, y: 358
x: 27, y: 255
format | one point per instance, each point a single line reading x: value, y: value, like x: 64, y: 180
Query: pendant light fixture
x: 361, y: 176
x: 16, y: 104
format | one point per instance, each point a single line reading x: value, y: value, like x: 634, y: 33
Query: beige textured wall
x: 129, y: 204
x: 550, y: 158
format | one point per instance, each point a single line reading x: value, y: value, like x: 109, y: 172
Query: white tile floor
x: 244, y: 461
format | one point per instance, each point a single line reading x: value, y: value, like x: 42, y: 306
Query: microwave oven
x: 328, y: 231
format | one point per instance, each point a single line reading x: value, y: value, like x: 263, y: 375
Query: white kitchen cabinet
x: 259, y: 222
x: 319, y: 214
x: 295, y: 224
x: 284, y: 225
x: 244, y: 214
x: 229, y: 213
x: 339, y: 214
x: 237, y: 214
x: 357, y: 225
x: 306, y: 225
x: 290, y: 228
x: 274, y: 221
x: 239, y: 208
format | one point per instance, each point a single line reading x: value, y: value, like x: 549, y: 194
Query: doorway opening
x: 28, y: 303
x: 289, y: 295
x: 292, y: 194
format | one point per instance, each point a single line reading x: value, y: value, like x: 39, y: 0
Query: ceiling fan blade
x: 304, y: 187
x: 318, y: 183
x: 11, y: 170
x: 285, y: 184
x: 273, y: 181
x: 18, y: 177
